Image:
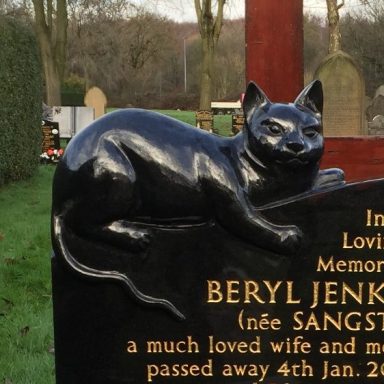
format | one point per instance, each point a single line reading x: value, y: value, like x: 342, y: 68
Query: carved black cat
x: 133, y: 171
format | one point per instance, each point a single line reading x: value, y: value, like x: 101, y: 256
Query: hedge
x: 20, y: 101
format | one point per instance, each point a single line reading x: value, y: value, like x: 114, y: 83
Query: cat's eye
x: 310, y: 132
x: 275, y: 129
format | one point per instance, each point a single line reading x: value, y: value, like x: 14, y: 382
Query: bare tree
x: 229, y: 61
x: 51, y: 30
x: 17, y: 9
x: 363, y: 39
x: 334, y: 25
x: 210, y: 27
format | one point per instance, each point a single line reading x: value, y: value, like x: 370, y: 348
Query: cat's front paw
x: 290, y: 239
x: 140, y: 239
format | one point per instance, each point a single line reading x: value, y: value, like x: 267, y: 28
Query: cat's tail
x: 88, y: 272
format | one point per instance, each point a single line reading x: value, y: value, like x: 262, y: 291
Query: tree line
x: 143, y: 59
x: 360, y: 34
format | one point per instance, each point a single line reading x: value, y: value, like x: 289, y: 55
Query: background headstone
x: 47, y: 112
x: 376, y: 126
x: 204, y: 120
x: 376, y: 107
x: 50, y: 146
x: 72, y: 119
x: 344, y: 91
x: 64, y: 116
x: 96, y: 99
x: 51, y: 136
x: 380, y: 91
x: 83, y: 117
x: 237, y: 123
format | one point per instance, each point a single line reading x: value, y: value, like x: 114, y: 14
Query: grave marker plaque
x: 237, y: 123
x: 286, y: 290
x: 51, y: 136
x: 50, y: 146
x: 204, y: 120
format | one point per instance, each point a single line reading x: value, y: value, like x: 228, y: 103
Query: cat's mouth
x: 294, y: 163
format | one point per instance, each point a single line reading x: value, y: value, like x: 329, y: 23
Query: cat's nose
x: 295, y: 146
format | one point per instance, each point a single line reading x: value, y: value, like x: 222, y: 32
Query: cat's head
x: 286, y: 135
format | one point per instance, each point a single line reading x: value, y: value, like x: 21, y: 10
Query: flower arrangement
x: 51, y: 155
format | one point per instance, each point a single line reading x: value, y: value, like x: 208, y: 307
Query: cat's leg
x: 240, y: 218
x: 123, y: 233
x: 110, y: 200
x: 330, y: 177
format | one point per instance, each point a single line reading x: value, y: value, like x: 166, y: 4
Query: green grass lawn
x: 222, y: 123
x: 26, y: 331
x: 25, y: 288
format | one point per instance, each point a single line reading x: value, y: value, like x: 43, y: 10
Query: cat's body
x: 135, y: 170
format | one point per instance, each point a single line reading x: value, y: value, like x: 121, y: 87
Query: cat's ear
x: 312, y: 97
x: 254, y: 97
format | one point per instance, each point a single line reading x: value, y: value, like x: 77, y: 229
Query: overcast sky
x: 183, y: 10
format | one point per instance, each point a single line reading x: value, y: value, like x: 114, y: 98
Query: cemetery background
x: 24, y: 243
x: 144, y: 53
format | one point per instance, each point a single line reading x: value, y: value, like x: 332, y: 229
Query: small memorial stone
x: 204, y: 120
x: 50, y: 146
x: 65, y: 117
x: 237, y: 123
x: 96, y: 99
x: 380, y: 91
x: 376, y: 127
x: 376, y: 107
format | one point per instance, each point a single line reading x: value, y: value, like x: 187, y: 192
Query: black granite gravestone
x: 50, y: 145
x: 166, y: 270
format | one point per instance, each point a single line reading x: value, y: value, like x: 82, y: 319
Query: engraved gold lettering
x: 379, y: 220
x: 315, y: 300
x: 358, y: 297
x: 354, y: 266
x: 337, y: 347
x: 322, y: 266
x: 360, y: 242
x: 345, y: 241
x: 374, y: 292
x: 182, y: 346
x: 272, y: 290
x: 369, y: 217
x: 354, y: 325
x: 251, y: 289
x: 301, y: 369
x: 377, y: 217
x: 131, y: 347
x: 214, y: 292
x: 263, y: 323
x: 252, y: 370
x: 220, y: 346
x: 290, y: 299
x: 297, y: 345
x: 333, y: 370
x: 232, y: 289
x: 330, y: 292
x: 177, y: 370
